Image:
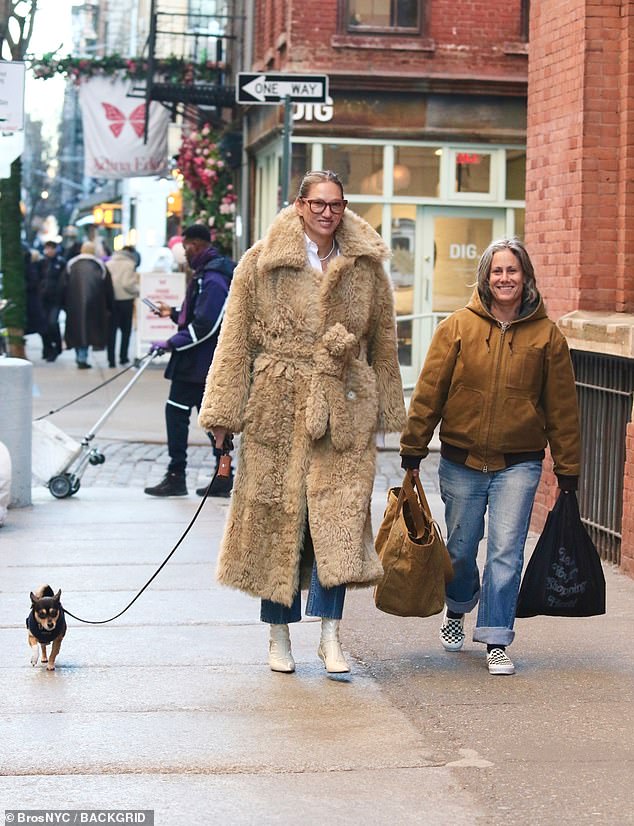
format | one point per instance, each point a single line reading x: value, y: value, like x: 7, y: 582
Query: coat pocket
x: 522, y: 426
x: 462, y: 417
x: 361, y: 402
x: 526, y: 369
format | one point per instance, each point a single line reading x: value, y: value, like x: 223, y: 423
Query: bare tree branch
x: 29, y: 33
x: 18, y: 46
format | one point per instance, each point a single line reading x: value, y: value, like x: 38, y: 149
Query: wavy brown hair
x: 530, y: 294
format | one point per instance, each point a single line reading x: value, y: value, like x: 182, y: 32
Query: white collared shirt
x: 313, y: 253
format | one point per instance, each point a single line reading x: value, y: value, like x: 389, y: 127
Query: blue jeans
x: 508, y: 495
x: 81, y: 355
x: 321, y: 602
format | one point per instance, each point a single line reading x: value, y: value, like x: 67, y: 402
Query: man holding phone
x: 192, y: 349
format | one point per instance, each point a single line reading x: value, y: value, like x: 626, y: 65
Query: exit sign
x: 467, y: 158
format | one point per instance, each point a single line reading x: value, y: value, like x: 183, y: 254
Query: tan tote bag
x: 413, y: 553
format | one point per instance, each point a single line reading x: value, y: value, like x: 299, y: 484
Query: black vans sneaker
x: 173, y: 484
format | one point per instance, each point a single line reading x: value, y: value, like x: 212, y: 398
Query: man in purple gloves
x: 192, y: 349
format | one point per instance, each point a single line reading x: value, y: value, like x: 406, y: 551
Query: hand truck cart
x: 59, y: 460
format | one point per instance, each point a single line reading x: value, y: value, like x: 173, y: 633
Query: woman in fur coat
x: 306, y: 369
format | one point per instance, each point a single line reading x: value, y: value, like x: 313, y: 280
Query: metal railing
x: 405, y: 338
x: 605, y: 390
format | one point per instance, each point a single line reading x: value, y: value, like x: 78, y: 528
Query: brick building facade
x: 580, y: 231
x: 426, y: 124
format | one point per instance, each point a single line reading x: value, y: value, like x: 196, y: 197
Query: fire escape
x: 210, y: 43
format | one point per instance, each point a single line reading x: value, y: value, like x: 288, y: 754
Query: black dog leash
x: 222, y: 466
x: 94, y: 389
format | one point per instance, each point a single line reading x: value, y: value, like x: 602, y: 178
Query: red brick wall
x: 625, y: 192
x: 580, y: 177
x: 555, y: 174
x: 580, y: 154
x: 627, y: 527
x: 457, y: 40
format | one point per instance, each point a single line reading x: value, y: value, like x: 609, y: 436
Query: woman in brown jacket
x: 498, y: 377
x: 306, y: 369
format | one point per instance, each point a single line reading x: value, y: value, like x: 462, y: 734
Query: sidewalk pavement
x: 172, y: 706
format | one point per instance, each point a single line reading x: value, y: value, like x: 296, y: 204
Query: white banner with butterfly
x: 113, y: 131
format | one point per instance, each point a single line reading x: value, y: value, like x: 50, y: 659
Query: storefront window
x: 402, y: 271
x: 417, y: 171
x: 520, y: 215
x: 299, y: 167
x: 360, y: 167
x: 473, y: 172
x: 515, y: 174
x: 458, y: 244
x: 372, y: 213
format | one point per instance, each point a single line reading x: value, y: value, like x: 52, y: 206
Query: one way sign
x: 274, y: 88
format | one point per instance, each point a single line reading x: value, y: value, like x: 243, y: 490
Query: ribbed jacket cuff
x: 567, y: 483
x: 411, y: 462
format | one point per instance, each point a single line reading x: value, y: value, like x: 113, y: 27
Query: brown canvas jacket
x: 497, y: 391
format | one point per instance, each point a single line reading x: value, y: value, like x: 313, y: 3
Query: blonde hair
x: 318, y: 176
x: 88, y: 248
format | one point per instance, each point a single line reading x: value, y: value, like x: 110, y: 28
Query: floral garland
x: 208, y: 193
x: 173, y: 69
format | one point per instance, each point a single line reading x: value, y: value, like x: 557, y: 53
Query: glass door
x: 435, y: 253
x: 406, y: 268
x: 452, y: 239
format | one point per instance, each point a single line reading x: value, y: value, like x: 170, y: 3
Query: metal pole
x: 286, y: 150
x: 150, y: 70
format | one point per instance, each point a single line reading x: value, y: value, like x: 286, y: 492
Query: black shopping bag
x: 564, y: 577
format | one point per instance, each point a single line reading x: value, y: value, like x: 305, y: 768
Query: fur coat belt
x: 331, y: 387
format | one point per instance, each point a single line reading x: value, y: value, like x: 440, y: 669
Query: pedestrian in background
x: 499, y: 379
x: 88, y: 302
x: 307, y: 370
x: 191, y: 350
x: 34, y: 321
x: 125, y: 285
x: 52, y: 268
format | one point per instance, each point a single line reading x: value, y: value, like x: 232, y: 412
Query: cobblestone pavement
x: 137, y: 465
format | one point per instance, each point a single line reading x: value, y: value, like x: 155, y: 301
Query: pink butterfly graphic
x: 136, y: 119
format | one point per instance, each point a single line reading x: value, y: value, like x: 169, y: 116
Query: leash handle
x: 224, y: 465
x: 162, y: 565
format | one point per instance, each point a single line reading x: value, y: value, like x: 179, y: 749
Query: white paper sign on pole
x: 12, y: 73
x: 168, y: 287
x: 11, y: 147
x: 113, y: 126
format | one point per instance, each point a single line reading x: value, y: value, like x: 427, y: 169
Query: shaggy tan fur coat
x: 306, y: 369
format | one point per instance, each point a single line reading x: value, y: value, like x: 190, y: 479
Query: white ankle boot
x: 330, y: 648
x: 280, y: 656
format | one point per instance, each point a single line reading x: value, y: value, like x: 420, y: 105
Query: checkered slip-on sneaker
x: 499, y: 662
x: 451, y: 633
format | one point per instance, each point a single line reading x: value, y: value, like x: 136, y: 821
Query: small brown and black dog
x: 46, y: 624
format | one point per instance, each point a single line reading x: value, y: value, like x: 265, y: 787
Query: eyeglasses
x: 317, y: 206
